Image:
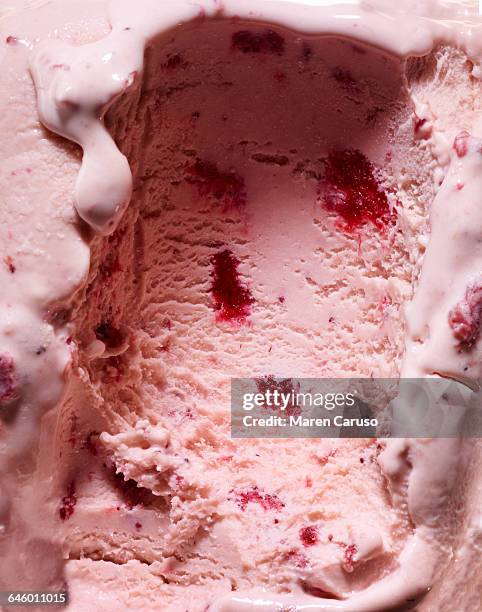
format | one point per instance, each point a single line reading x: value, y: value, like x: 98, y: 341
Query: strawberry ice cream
x: 196, y: 191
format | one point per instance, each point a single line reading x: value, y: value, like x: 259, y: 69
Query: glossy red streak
x: 232, y: 300
x: 266, y: 42
x: 350, y: 189
x: 309, y: 535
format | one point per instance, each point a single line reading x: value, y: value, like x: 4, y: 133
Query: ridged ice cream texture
x: 147, y: 392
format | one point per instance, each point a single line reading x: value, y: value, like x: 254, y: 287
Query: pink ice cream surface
x: 280, y: 195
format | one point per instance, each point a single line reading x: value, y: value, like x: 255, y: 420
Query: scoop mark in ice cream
x: 7, y: 378
x: 232, y: 300
x: 309, y: 535
x: 243, y: 497
x: 466, y: 318
x: 68, y: 502
x: 266, y: 42
x: 350, y: 189
x: 227, y: 187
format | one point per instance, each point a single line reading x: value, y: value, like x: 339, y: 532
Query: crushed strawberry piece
x: 309, y: 535
x: 7, y: 378
x: 350, y: 189
x: 232, y: 300
x: 269, y: 42
x: 68, y: 502
x: 298, y: 558
x: 243, y: 497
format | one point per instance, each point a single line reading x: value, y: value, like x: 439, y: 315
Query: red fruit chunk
x: 266, y: 42
x: 68, y: 502
x: 138, y: 525
x: 350, y: 189
x: 309, y: 535
x: 227, y: 187
x: 11, y: 40
x: 349, y: 558
x: 466, y: 318
x: 7, y: 378
x: 232, y: 300
x: 254, y: 495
